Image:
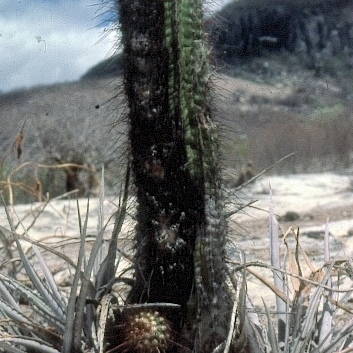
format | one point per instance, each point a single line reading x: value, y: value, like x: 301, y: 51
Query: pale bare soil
x: 320, y: 198
x: 304, y: 205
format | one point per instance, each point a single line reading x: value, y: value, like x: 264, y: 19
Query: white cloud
x: 43, y: 42
x: 48, y: 41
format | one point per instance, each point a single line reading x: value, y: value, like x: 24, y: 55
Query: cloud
x: 49, y: 41
x: 43, y: 42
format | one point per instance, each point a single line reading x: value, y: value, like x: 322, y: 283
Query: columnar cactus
x: 174, y: 145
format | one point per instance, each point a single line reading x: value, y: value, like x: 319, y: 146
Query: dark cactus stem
x: 174, y: 145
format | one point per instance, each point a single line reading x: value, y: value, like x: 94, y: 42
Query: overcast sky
x: 48, y: 41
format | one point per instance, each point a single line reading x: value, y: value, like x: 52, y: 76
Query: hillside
x: 258, y: 121
x: 64, y: 123
x: 267, y: 105
x: 317, y: 31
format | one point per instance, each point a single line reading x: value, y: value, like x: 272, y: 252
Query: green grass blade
x: 242, y: 299
x: 231, y: 328
x: 249, y: 324
x: 105, y: 304
x: 86, y: 286
x: 83, y: 230
x: 100, y: 228
x: 38, y: 283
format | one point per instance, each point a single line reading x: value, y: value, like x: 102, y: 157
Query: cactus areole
x: 174, y: 147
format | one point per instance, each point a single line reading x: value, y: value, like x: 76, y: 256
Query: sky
x: 50, y: 41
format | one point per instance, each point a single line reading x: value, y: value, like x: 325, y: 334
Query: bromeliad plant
x: 40, y: 317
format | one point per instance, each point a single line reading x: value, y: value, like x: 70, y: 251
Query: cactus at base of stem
x: 145, y: 332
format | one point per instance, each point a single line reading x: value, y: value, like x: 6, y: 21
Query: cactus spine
x: 174, y: 145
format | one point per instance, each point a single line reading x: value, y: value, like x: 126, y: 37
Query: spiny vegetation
x: 312, y: 311
x: 186, y: 294
x: 174, y: 145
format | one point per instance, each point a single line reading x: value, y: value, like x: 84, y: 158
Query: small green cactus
x: 145, y: 332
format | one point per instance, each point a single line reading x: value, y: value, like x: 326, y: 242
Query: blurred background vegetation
x: 282, y: 83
